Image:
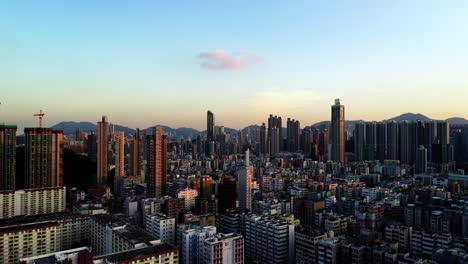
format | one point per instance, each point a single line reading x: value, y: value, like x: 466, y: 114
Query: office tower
x: 338, y: 132
x: 43, y: 158
x: 120, y: 154
x: 7, y: 157
x: 156, y: 163
x: 91, y: 146
x: 193, y: 244
x: 393, y: 141
x: 161, y: 227
x: 269, y: 240
x: 224, y: 249
x: 293, y: 130
x: 245, y: 184
x: 359, y: 140
x: 421, y: 160
x: 227, y: 195
x: 102, y: 151
x: 274, y: 134
x: 210, y: 126
x: 136, y: 155
x: 264, y: 139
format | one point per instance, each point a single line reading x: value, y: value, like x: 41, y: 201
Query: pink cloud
x: 220, y: 60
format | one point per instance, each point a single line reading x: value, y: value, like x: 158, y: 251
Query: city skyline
x: 241, y: 69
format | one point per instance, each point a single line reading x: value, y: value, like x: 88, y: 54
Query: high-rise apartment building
x: 120, y: 154
x: 102, y: 151
x: 43, y: 158
x: 161, y: 227
x: 135, y: 150
x: 338, y: 132
x: 156, y: 163
x: 269, y: 240
x: 245, y: 184
x: 7, y: 157
x: 293, y: 131
x: 193, y: 244
x: 275, y: 138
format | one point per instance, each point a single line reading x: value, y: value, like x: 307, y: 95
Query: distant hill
x: 410, y: 117
x: 457, y: 121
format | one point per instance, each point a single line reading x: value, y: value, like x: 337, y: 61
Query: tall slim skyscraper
x: 136, y: 155
x: 210, y: 126
x: 156, y: 163
x: 359, y: 140
x: 91, y: 146
x: 120, y: 154
x: 245, y: 184
x: 7, y: 157
x: 338, y: 132
x: 102, y: 151
x: 43, y: 158
x: 264, y: 140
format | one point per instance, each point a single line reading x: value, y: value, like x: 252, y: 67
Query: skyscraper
x: 359, y: 140
x: 156, y: 163
x: 421, y: 160
x: 210, y: 126
x: 263, y: 139
x: 292, y: 135
x: 274, y: 134
x: 338, y: 132
x: 245, y: 184
x: 43, y: 158
x: 102, y: 151
x: 120, y: 154
x: 91, y: 146
x: 136, y: 155
x: 7, y: 157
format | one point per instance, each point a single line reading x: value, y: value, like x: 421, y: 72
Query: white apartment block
x: 224, y: 249
x: 161, y: 227
x: 32, y: 202
x: 268, y: 240
x: 17, y: 242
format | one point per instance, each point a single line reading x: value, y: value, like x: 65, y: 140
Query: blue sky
x: 166, y: 62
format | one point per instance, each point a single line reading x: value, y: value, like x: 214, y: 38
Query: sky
x: 151, y: 62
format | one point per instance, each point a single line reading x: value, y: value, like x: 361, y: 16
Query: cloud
x: 220, y: 60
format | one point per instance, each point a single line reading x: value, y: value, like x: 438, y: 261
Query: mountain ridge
x: 70, y: 127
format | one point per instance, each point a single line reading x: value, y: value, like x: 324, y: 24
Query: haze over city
x: 151, y: 62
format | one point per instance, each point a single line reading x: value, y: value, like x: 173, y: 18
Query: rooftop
x: 139, y: 253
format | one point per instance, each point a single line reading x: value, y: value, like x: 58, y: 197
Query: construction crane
x: 40, y: 115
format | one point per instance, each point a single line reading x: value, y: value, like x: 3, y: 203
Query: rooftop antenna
x: 40, y: 115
